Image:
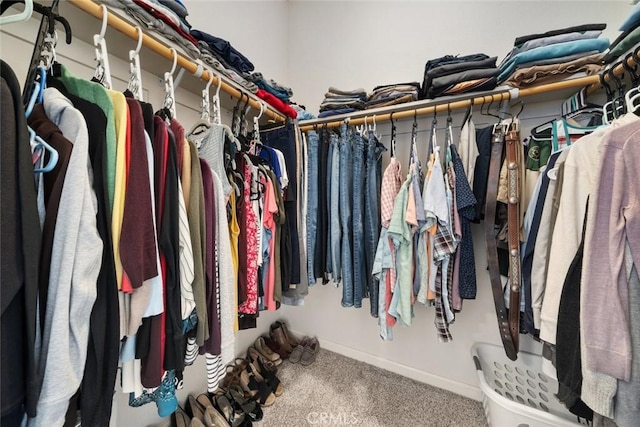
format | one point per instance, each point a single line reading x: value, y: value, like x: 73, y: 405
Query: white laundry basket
x: 517, y: 393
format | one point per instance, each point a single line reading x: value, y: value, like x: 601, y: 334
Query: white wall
x: 311, y: 46
x: 352, y: 44
x: 258, y: 29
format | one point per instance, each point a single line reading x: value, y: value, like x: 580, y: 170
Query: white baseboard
x: 462, y: 389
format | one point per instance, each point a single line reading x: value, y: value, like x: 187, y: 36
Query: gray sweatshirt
x: 75, y: 263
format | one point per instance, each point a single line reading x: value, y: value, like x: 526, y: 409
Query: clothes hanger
x: 632, y: 94
x: 25, y: 15
x: 393, y: 137
x: 449, y: 133
x: 35, y: 140
x: 619, y: 107
x: 468, y: 114
x: 607, y: 108
x: 103, y: 70
x: 256, y: 123
x: 169, y: 103
x: 135, y: 79
x: 434, y: 127
x: 217, y: 115
x: 204, y: 122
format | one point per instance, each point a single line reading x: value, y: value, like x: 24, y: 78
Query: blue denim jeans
x: 312, y: 202
x: 373, y: 182
x: 346, y: 223
x: 360, y: 274
x: 329, y: 265
x: 335, y: 242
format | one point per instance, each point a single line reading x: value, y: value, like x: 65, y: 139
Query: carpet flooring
x: 337, y: 390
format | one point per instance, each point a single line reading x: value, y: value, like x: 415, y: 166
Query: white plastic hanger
x: 217, y: 115
x: 103, y: 71
x: 205, y: 116
x: 256, y: 123
x: 19, y: 17
x: 135, y: 80
x: 169, y: 94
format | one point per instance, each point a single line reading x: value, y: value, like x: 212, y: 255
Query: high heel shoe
x: 264, y: 374
x: 250, y: 407
x: 234, y: 416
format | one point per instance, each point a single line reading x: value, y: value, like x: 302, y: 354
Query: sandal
x: 250, y: 407
x: 254, y: 356
x: 258, y: 390
x: 270, y: 377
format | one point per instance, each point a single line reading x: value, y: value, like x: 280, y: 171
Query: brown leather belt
x: 508, y: 321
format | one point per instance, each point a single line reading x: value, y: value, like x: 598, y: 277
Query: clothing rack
x: 421, y: 108
x: 129, y: 30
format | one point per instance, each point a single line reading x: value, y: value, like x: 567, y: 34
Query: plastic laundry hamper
x: 517, y: 393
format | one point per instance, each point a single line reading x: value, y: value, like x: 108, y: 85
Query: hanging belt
x: 508, y: 321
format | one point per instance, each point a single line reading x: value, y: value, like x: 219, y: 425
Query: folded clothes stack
x: 337, y: 101
x: 453, y: 75
x: 221, y: 49
x: 628, y: 40
x: 158, y: 17
x: 281, y: 92
x: 399, y: 93
x: 554, y: 55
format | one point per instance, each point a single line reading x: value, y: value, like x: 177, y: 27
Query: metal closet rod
x: 127, y: 29
x: 592, y: 83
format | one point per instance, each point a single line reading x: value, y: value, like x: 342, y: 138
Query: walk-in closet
x: 319, y: 213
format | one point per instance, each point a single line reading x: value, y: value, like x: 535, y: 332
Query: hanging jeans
x: 284, y: 139
x: 326, y: 198
x: 373, y: 182
x: 346, y: 221
x: 360, y: 274
x: 335, y: 237
x: 323, y: 207
x: 312, y: 202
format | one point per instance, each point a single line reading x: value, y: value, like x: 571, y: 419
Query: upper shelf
x: 564, y: 88
x: 85, y: 16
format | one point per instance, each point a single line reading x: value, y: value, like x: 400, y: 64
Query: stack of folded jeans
x: 452, y: 75
x: 554, y: 55
x: 337, y: 101
x: 281, y: 92
x: 399, y: 93
x: 628, y: 40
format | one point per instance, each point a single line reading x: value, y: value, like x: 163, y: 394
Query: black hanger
x: 488, y: 112
x: 632, y: 71
x: 619, y: 106
x: 467, y: 114
x: 393, y: 136
x: 45, y: 11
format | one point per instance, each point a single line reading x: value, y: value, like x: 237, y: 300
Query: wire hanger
x: 25, y: 15
x: 468, y: 115
x: 169, y: 93
x: 135, y: 80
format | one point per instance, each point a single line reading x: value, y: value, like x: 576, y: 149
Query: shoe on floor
x: 310, y: 352
x: 293, y: 342
x: 297, y: 352
x: 277, y: 334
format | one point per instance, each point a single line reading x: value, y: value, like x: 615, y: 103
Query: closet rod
x: 127, y: 29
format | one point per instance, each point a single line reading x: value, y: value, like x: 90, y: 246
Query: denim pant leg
x: 372, y: 216
x: 334, y: 212
x: 327, y: 198
x: 312, y: 202
x: 360, y: 282
x: 345, y: 217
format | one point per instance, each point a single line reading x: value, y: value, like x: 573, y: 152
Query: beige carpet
x: 337, y: 390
